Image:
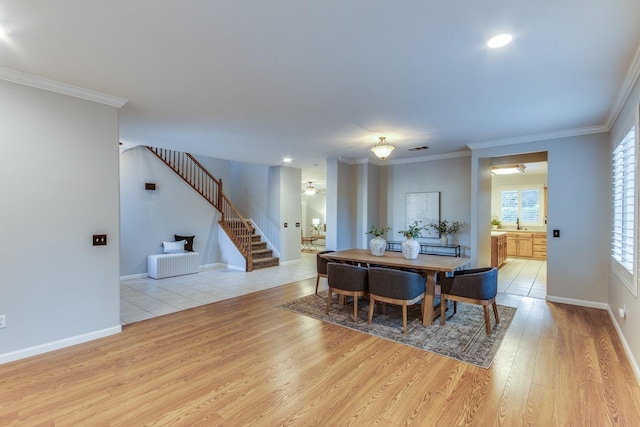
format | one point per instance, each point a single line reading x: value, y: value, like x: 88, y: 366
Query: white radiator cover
x: 160, y: 266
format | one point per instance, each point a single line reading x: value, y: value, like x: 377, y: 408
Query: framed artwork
x: 423, y: 207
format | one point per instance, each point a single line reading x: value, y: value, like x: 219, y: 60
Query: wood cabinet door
x: 512, y: 249
x: 525, y: 246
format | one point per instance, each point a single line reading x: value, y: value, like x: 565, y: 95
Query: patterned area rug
x: 463, y: 337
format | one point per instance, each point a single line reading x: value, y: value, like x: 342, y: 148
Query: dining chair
x: 321, y: 267
x: 475, y: 286
x: 398, y: 287
x: 349, y: 281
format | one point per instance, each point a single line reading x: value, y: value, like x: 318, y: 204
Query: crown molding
x: 386, y: 162
x: 625, y: 89
x: 432, y: 157
x: 58, y: 87
x: 539, y: 137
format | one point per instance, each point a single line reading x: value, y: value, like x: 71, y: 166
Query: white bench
x: 160, y: 266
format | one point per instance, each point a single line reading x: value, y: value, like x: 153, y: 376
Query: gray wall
x: 451, y: 177
x: 579, y: 199
x: 619, y: 295
x: 59, y: 186
x: 150, y: 217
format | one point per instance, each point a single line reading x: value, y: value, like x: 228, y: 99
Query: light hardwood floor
x: 243, y: 361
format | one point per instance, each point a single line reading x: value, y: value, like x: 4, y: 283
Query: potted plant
x: 495, y: 222
x: 377, y: 245
x: 410, y: 247
x: 445, y: 228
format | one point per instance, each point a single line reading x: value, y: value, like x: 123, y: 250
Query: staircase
x: 239, y: 230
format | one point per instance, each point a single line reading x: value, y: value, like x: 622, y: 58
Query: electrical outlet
x: 3, y: 320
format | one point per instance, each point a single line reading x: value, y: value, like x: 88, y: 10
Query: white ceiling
x: 255, y: 81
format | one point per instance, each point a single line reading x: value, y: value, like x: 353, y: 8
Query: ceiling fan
x: 311, y: 190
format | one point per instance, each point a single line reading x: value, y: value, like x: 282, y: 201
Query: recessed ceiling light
x: 287, y: 160
x: 499, y: 41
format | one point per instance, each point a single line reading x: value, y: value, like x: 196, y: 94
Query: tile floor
x: 524, y: 277
x: 144, y: 298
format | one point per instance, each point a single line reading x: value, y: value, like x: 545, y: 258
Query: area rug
x: 463, y: 336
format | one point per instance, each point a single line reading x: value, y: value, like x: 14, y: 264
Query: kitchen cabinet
x: 540, y: 246
x: 520, y: 244
x: 498, y: 249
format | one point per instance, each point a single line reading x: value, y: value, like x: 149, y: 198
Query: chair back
x: 396, y: 284
x: 347, y: 277
x: 321, y: 263
x: 477, y: 283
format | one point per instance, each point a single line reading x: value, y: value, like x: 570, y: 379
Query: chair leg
x: 355, y: 309
x: 455, y: 307
x: 487, y: 323
x: 317, y: 282
x: 443, y: 308
x: 404, y: 317
x: 495, y: 311
x: 328, y: 301
x: 372, y: 302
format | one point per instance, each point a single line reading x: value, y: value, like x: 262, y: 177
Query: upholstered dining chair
x: 475, y: 286
x: 321, y: 267
x: 393, y: 286
x: 348, y: 280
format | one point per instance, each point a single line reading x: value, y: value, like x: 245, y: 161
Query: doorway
x: 519, y: 207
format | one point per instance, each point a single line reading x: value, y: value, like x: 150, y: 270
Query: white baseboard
x: 582, y: 303
x: 625, y: 344
x: 215, y: 264
x: 56, y: 345
x: 133, y: 276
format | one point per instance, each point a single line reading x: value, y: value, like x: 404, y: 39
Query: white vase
x: 410, y: 248
x: 444, y: 241
x: 377, y: 245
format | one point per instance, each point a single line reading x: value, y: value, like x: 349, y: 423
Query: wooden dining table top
x: 395, y: 259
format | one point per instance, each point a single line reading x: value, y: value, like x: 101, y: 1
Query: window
x: 522, y: 204
x: 623, y: 233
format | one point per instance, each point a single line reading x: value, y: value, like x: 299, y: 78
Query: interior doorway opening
x: 519, y: 206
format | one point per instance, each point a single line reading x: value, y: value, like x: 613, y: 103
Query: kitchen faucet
x: 517, y: 223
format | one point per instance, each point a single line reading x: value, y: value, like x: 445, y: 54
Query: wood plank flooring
x: 245, y: 362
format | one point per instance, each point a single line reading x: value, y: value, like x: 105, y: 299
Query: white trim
x: 625, y: 89
x: 58, y: 87
x: 625, y: 344
x: 57, y: 345
x: 539, y: 137
x: 133, y: 276
x: 365, y: 160
x: 582, y: 303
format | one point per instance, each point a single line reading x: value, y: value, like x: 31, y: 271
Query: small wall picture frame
x: 151, y: 186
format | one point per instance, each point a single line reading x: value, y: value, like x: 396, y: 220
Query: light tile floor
x: 145, y: 298
x: 525, y: 277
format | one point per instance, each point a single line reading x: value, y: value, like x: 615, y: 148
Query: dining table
x: 427, y: 265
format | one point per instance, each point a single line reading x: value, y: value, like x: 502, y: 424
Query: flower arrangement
x: 378, y: 231
x: 443, y: 227
x: 414, y: 230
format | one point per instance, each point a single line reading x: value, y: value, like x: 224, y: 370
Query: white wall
x: 59, y: 186
x: 150, y: 217
x: 290, y: 213
x: 619, y: 295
